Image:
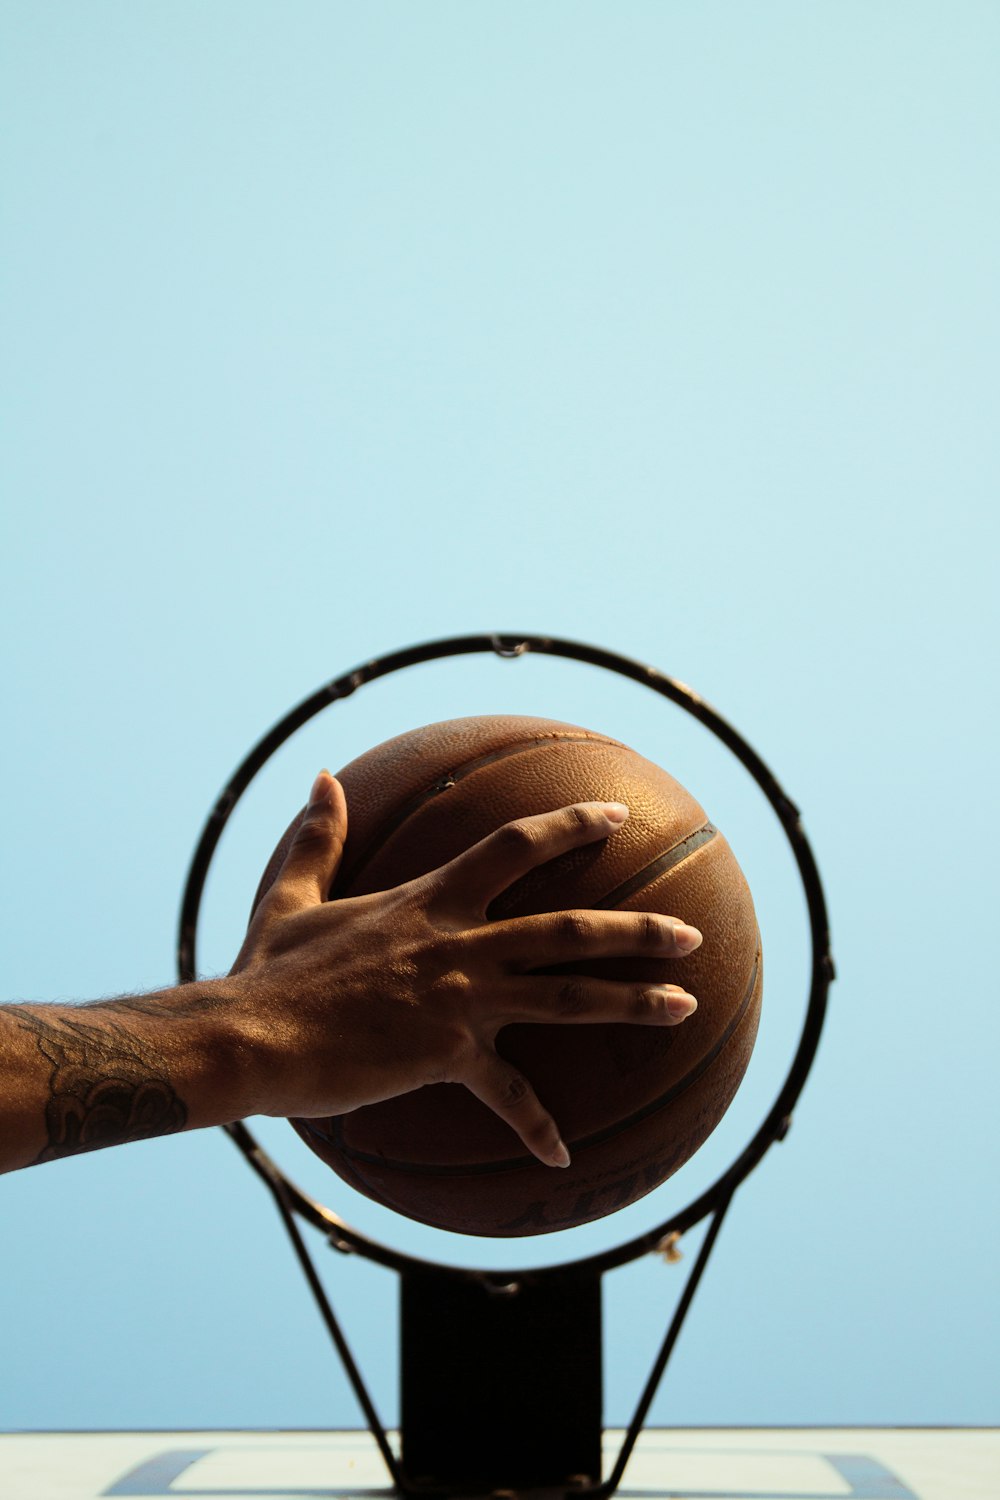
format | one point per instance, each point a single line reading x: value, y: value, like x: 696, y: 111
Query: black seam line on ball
x: 657, y: 867
x: 518, y: 1163
x: 444, y: 783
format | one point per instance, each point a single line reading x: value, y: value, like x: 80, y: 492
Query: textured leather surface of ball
x: 633, y: 1102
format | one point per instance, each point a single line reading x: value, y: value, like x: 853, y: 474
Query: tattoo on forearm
x: 106, y: 1087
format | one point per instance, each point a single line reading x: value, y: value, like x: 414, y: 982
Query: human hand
x: 352, y: 1001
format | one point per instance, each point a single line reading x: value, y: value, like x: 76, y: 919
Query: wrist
x: 214, y: 1050
x: 246, y: 1049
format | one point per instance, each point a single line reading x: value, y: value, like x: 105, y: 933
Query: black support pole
x: 501, y: 1381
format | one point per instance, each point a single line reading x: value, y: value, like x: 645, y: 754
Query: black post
x: 501, y: 1381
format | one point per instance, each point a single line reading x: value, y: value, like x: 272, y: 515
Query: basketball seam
x: 391, y: 825
x: 673, y: 856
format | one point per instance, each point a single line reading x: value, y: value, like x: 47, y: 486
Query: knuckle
x: 573, y: 928
x: 572, y: 999
x: 580, y: 818
x: 516, y: 1090
x: 516, y: 838
x: 448, y: 1004
x: 281, y: 901
x: 312, y: 833
x: 651, y: 931
x: 646, y: 1004
x: 452, y: 989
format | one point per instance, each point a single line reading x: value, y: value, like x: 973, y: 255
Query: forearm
x: 335, y: 1005
x: 78, y: 1077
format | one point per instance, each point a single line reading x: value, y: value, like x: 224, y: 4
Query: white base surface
x: 868, y: 1463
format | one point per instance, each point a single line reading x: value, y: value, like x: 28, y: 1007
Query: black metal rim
x: 341, y: 1235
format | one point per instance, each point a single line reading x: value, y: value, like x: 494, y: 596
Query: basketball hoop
x: 522, y: 1332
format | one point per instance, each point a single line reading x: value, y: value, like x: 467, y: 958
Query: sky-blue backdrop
x: 329, y: 328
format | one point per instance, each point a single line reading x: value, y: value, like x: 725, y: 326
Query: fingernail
x: 321, y: 789
x: 615, y: 812
x: 681, y: 1006
x: 560, y: 1156
x: 686, y: 938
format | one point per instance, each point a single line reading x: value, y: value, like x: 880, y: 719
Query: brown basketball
x: 633, y: 1102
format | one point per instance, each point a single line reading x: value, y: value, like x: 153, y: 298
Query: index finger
x: 479, y: 875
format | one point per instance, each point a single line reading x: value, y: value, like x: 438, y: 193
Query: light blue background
x: 330, y: 328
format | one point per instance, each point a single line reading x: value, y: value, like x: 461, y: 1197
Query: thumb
x: 317, y: 847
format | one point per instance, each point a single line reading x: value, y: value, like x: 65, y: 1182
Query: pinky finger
x: 509, y: 1094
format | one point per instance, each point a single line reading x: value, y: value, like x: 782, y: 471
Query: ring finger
x: 575, y: 998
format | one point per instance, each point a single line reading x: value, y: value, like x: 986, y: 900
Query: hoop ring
x: 508, y: 646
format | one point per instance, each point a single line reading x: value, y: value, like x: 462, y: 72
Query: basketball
x: 633, y: 1102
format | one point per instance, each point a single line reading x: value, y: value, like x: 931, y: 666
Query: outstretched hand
x: 357, y: 1000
